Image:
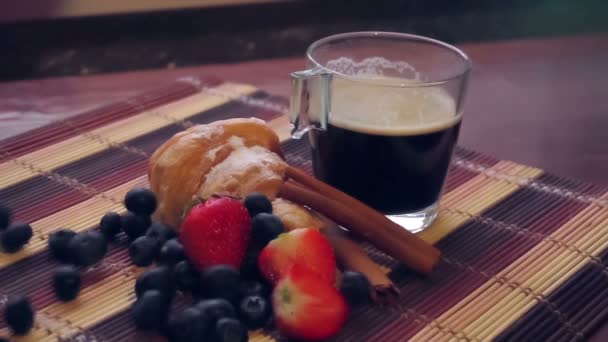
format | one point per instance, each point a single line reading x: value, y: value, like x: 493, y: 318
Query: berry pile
x: 215, y: 237
x: 218, y: 311
x: 223, y: 234
x: 242, y: 270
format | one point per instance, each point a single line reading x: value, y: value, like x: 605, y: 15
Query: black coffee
x: 392, y: 173
x: 387, y: 143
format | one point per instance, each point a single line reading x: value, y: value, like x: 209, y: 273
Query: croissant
x: 233, y: 157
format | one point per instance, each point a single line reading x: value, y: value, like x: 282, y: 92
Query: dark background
x: 38, y: 49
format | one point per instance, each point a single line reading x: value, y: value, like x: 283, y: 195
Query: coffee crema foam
x: 388, y: 106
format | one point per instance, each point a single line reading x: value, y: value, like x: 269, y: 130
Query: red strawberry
x: 307, y: 308
x: 216, y: 232
x: 305, y: 247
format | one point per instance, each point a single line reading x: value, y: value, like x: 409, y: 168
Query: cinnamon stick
x: 419, y: 259
x: 375, y: 218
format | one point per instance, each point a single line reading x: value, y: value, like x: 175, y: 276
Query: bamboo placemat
x: 524, y: 252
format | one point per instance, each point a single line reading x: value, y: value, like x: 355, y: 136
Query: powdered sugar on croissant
x: 245, y: 170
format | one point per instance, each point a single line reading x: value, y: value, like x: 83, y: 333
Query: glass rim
x: 382, y: 34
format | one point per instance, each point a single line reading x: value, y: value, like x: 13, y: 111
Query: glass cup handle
x: 307, y: 84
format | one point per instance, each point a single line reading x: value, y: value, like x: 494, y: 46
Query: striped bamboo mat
x: 524, y: 252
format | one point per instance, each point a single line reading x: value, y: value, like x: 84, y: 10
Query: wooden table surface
x: 541, y: 102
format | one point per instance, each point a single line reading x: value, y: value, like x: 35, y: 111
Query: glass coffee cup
x: 382, y: 111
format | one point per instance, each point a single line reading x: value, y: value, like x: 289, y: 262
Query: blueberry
x: 150, y: 311
x: 355, y: 287
x: 140, y: 201
x: 254, y: 311
x: 143, y: 251
x: 110, y: 224
x: 171, y: 252
x: 88, y: 248
x: 187, y: 277
x: 252, y: 288
x: 230, y: 330
x: 159, y: 278
x: 135, y: 225
x: 19, y: 315
x: 221, y: 281
x: 13, y: 238
x: 187, y: 326
x: 66, y: 283
x: 161, y: 231
x: 249, y: 266
x: 59, y: 244
x: 257, y: 203
x: 5, y: 216
x: 215, y: 309
x: 265, y: 228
